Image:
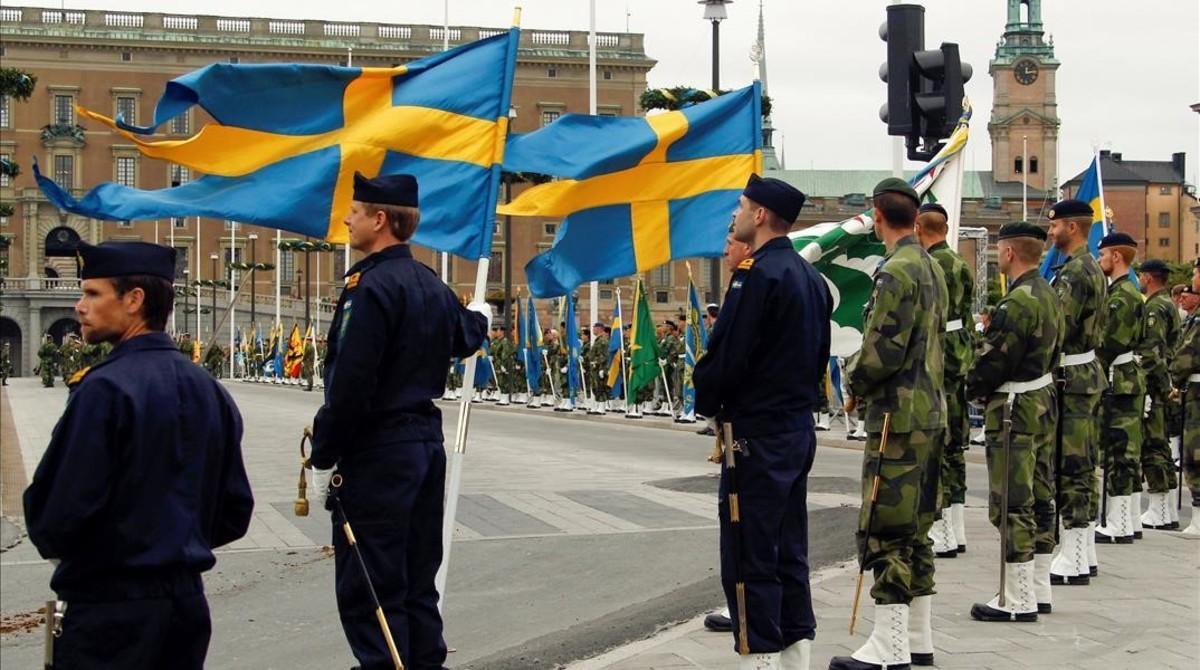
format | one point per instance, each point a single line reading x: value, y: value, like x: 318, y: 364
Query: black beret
x: 897, y: 185
x: 670, y: 324
x: 599, y: 324
x: 392, y: 189
x: 776, y: 195
x: 933, y: 207
x: 1021, y: 229
x: 1187, y: 288
x: 1155, y: 266
x: 1117, y: 240
x: 1064, y: 209
x: 121, y: 259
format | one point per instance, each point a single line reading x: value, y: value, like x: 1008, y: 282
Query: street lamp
x: 714, y: 11
x: 214, y: 257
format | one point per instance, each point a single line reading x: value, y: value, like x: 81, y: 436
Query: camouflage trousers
x: 1078, y: 481
x: 1121, y: 441
x: 1190, y: 451
x: 1018, y: 465
x: 958, y: 436
x: 898, y: 549
x: 47, y: 376
x: 1157, y: 465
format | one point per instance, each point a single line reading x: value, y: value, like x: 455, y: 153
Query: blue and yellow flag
x: 533, y: 348
x: 1090, y: 189
x: 636, y: 192
x: 616, y: 354
x: 695, y: 341
x: 573, y: 345
x: 287, y: 140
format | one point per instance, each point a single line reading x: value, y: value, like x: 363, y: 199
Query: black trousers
x: 134, y: 623
x: 393, y: 498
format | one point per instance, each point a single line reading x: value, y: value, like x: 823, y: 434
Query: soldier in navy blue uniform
x: 765, y: 358
x: 395, y: 327
x: 142, y: 479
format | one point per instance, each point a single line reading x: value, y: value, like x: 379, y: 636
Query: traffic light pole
x: 897, y: 146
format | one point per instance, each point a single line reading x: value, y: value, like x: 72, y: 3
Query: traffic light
x: 904, y: 32
x: 925, y: 88
x: 937, y: 94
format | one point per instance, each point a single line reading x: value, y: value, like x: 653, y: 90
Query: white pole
x: 1024, y: 178
x: 317, y: 303
x: 199, y: 249
x: 278, y: 274
x: 232, y: 304
x: 1100, y: 186
x: 171, y: 235
x: 454, y: 459
x: 346, y: 249
x: 156, y: 231
x: 594, y: 287
x: 446, y: 47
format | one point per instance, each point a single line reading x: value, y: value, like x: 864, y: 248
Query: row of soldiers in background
x: 6, y: 364
x: 509, y: 382
x: 64, y: 361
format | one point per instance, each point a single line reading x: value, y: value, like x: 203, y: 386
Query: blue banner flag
x: 1090, y: 191
x: 287, y: 139
x: 483, y: 367
x: 616, y: 354
x: 574, y: 378
x: 533, y: 349
x: 695, y: 341
x: 635, y: 193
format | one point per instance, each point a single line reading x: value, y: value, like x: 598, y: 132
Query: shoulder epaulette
x: 746, y: 264
x: 352, y: 280
x: 78, y: 376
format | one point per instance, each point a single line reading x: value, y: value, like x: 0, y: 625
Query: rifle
x: 735, y: 519
x: 862, y: 561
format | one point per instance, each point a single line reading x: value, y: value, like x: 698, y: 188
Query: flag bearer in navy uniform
x: 142, y: 479
x: 760, y: 374
x: 396, y: 324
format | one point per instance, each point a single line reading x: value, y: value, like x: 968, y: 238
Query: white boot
x: 888, y: 644
x: 1041, y: 583
x: 942, y: 534
x: 1116, y: 522
x: 1020, y: 604
x: 1135, y: 514
x: 823, y: 420
x: 960, y: 526
x: 1070, y: 565
x: 1172, y: 499
x: 1156, y: 516
x: 1193, y: 527
x: 1091, y: 560
x: 759, y: 662
x: 796, y: 656
x: 920, y: 630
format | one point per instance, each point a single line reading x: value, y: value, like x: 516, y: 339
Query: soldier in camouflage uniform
x: 672, y: 351
x: 1125, y: 399
x: 1185, y: 376
x: 898, y: 375
x: 6, y: 366
x: 502, y: 362
x: 214, y: 360
x: 1081, y: 289
x: 1014, y: 375
x: 1159, y: 337
x: 47, y: 361
x: 70, y: 356
x: 958, y: 349
x: 596, y: 364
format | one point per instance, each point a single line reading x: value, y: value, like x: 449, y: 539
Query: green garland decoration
x: 678, y: 97
x: 17, y: 84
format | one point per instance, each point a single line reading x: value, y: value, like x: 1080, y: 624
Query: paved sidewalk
x: 1142, y: 612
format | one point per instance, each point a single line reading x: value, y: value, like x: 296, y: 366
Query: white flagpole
x: 446, y: 47
x: 232, y: 306
x: 317, y: 301
x: 1100, y: 186
x: 345, y: 249
x: 171, y: 236
x: 278, y: 273
x: 593, y: 287
x: 1024, y: 178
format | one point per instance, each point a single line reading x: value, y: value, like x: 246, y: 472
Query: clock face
x: 1026, y: 72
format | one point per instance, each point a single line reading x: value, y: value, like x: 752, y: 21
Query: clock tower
x: 1023, y: 106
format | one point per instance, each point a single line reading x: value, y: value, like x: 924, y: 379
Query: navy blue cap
x: 392, y: 189
x: 1117, y: 240
x: 776, y: 195
x: 1155, y: 266
x: 1068, y: 208
x: 933, y: 207
x: 121, y: 259
x: 1021, y: 229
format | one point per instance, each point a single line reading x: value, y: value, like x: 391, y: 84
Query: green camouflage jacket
x: 1187, y: 357
x: 1125, y: 316
x: 597, y: 358
x: 899, y: 368
x: 1021, y: 343
x: 1081, y: 288
x: 958, y: 346
x: 1159, y: 336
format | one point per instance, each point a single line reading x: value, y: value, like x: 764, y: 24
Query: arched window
x: 1033, y: 165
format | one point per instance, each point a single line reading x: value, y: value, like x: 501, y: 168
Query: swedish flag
x: 636, y: 192
x: 287, y: 140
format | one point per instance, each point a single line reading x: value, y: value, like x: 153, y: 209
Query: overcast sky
x: 1130, y: 70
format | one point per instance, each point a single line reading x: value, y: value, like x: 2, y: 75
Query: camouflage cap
x: 896, y: 185
x: 1021, y: 229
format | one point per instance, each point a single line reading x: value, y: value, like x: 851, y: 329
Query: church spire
x: 759, y: 55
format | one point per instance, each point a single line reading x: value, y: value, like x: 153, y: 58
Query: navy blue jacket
x: 770, y: 346
x: 395, y: 328
x: 144, y: 470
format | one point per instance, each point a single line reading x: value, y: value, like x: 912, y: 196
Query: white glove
x: 320, y: 486
x: 484, y: 309
x: 1146, y: 409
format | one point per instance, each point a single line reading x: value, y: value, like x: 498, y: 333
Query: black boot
x: 718, y: 623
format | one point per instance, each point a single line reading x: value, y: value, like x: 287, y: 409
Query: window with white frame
x: 64, y: 170
x: 179, y: 175
x: 127, y: 109
x: 5, y: 180
x: 661, y: 275
x: 64, y: 109
x: 5, y: 119
x: 550, y: 116
x: 179, y: 221
x: 179, y: 124
x: 127, y: 170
